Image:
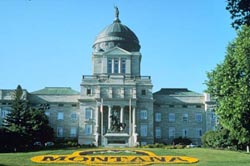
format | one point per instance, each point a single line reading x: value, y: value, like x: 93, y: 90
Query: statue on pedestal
x: 116, y: 125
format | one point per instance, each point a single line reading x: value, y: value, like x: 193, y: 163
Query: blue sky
x: 48, y: 43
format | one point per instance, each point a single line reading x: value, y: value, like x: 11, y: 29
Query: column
x: 109, y: 120
x: 96, y: 125
x: 121, y: 114
x: 134, y: 124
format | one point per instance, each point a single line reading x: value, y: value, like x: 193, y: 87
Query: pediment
x: 117, y: 51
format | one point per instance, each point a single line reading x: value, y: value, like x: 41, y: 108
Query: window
x: 88, y: 129
x: 198, y: 132
x: 143, y: 114
x: 88, y: 114
x: 198, y: 117
x: 171, y: 117
x: 198, y: 106
x: 74, y: 105
x: 60, y: 105
x: 109, y: 65
x: 60, y: 116
x: 116, y: 66
x: 88, y: 91
x: 143, y: 92
x: 144, y: 130
x: 185, y: 117
x: 184, y: 106
x: 171, y: 132
x: 184, y: 133
x: 157, y: 132
x: 73, y: 116
x: 4, y: 113
x: 73, y: 132
x: 59, y: 132
x: 123, y: 66
x: 158, y: 117
x: 171, y: 106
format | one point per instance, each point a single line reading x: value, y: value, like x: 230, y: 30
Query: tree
x: 229, y: 83
x: 26, y: 124
x: 240, y: 12
x: 15, y: 122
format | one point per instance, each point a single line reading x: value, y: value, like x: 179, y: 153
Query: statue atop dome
x: 117, y: 14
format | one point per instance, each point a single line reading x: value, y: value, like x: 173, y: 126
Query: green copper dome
x: 118, y: 35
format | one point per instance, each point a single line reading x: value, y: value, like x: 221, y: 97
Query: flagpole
x: 130, y: 129
x: 101, y: 109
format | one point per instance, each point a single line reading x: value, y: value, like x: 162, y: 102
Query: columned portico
x: 116, y: 82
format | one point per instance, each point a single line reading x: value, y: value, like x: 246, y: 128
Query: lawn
x: 207, y: 157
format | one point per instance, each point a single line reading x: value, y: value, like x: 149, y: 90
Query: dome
x: 114, y: 35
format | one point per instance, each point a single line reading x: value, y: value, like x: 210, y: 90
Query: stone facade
x: 116, y: 86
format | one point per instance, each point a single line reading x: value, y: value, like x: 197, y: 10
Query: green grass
x: 207, y: 157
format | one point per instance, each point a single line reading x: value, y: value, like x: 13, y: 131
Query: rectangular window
x: 198, y: 132
x: 73, y: 116
x: 198, y: 106
x: 88, y: 91
x: 143, y: 114
x: 144, y: 130
x: 109, y: 66
x: 171, y: 132
x: 116, y: 66
x: 143, y: 92
x: 157, y: 132
x: 184, y: 106
x: 60, y: 105
x: 60, y: 116
x: 184, y: 133
x: 171, y: 117
x: 185, y: 117
x: 59, y: 132
x: 88, y: 129
x: 123, y: 66
x: 88, y: 114
x: 4, y: 113
x: 158, y: 117
x: 73, y: 132
x: 198, y: 117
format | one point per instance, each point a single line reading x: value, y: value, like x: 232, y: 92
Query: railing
x: 113, y: 76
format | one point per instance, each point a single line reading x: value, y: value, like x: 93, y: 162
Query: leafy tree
x: 229, y: 83
x: 217, y: 139
x: 240, y: 12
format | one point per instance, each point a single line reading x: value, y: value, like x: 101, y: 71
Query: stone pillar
x: 109, y: 114
x: 133, y: 121
x: 96, y: 125
x: 121, y: 114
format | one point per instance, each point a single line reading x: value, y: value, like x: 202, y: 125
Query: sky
x: 48, y: 43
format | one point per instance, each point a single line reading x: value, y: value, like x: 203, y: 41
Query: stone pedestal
x: 116, y: 139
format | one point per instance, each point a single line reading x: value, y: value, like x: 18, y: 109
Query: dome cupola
x: 116, y: 35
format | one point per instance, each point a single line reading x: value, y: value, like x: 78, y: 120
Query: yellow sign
x: 100, y: 157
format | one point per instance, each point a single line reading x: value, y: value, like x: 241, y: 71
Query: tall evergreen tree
x: 229, y: 83
x: 15, y: 122
x: 27, y: 124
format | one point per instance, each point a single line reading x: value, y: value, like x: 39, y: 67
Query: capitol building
x: 117, y: 89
